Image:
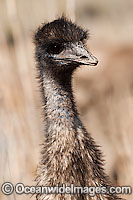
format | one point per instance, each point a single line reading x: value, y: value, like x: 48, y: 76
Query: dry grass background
x: 104, y: 94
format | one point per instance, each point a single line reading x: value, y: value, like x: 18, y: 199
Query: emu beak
x: 77, y: 53
x: 83, y: 56
x: 87, y: 59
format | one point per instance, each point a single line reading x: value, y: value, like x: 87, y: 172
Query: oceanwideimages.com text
x: 8, y: 188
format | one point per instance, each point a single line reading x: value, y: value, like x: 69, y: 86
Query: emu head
x: 61, y: 45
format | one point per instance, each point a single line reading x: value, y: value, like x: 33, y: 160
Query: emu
x: 69, y: 154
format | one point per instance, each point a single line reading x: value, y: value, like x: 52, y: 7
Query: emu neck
x: 59, y: 105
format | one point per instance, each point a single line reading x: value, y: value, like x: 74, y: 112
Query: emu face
x: 62, y: 43
x: 70, y: 54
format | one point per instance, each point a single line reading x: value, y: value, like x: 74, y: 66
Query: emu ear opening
x: 77, y: 53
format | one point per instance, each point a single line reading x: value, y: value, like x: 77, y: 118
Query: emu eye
x: 55, y: 48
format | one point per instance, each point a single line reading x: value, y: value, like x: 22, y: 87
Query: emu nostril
x: 83, y: 57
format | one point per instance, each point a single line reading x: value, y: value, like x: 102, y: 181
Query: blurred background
x: 104, y: 94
